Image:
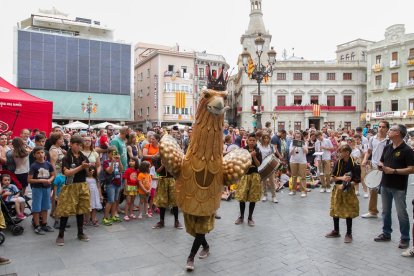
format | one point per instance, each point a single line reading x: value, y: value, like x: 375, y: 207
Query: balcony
x: 410, y: 84
x: 394, y: 64
x: 301, y: 108
x: 254, y: 107
x: 394, y: 86
x: 377, y: 88
x: 168, y: 73
x: 377, y: 67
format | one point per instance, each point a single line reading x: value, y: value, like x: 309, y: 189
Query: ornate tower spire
x: 256, y: 26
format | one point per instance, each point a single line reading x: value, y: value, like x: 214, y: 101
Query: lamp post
x: 258, y: 71
x: 89, y: 107
x: 274, y: 117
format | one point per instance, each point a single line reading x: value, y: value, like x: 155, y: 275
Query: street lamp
x: 258, y: 71
x: 89, y: 107
x: 274, y: 117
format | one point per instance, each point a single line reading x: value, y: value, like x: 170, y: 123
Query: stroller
x: 11, y: 223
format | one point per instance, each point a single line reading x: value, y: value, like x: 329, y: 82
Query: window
x: 173, y: 111
x: 281, y: 76
x: 411, y: 104
x: 186, y: 111
x: 331, y: 125
x: 342, y: 57
x: 394, y: 77
x: 314, y: 76
x: 378, y: 59
x: 297, y: 126
x: 347, y: 125
x: 352, y: 56
x: 347, y: 57
x: 170, y: 68
x: 377, y: 106
x: 147, y: 110
x: 314, y: 100
x: 148, y: 72
x: 281, y: 100
x: 201, y: 73
x: 394, y: 105
x: 347, y: 100
x: 142, y: 76
x: 330, y: 76
x: 330, y: 100
x: 141, y: 113
x: 280, y: 125
x: 297, y: 76
x: 411, y: 75
x: 411, y: 53
x: 297, y: 100
x: 394, y: 56
x: 378, y: 80
x: 347, y: 76
x: 183, y: 71
x: 167, y: 111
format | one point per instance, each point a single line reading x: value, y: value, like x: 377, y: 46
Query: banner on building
x: 180, y: 99
x: 316, y: 110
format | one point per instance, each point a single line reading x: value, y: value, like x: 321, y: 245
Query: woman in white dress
x: 268, y: 183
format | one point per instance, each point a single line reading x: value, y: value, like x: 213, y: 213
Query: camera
x: 297, y: 143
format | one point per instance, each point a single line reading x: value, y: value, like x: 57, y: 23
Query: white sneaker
x: 292, y: 193
x: 322, y: 190
x: 275, y: 200
x: 366, y: 195
x: 328, y: 190
x: 408, y: 253
x: 369, y: 215
x: 303, y: 195
x: 264, y: 198
x: 357, y: 193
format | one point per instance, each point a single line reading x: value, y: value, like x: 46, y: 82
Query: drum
x: 373, y: 179
x: 269, y: 165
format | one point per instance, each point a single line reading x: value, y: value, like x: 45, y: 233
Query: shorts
x: 23, y: 179
x: 40, y: 199
x: 152, y: 193
x: 112, y: 193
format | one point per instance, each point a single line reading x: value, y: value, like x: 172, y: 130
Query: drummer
x: 268, y: 183
x: 249, y: 188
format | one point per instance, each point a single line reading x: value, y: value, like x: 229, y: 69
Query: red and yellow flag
x: 316, y: 110
x: 180, y: 99
x: 250, y: 67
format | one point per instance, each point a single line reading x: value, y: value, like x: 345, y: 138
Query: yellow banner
x: 180, y: 99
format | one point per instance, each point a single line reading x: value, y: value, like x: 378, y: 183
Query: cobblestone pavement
x: 288, y: 239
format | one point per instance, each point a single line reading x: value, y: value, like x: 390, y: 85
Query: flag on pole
x: 316, y: 110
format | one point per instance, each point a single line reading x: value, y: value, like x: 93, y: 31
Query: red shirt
x: 131, y: 176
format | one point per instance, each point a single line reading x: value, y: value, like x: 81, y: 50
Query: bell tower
x: 256, y: 26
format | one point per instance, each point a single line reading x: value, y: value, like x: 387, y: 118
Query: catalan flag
x: 180, y: 99
x: 316, y: 110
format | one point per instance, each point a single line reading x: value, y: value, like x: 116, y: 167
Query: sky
x: 312, y: 27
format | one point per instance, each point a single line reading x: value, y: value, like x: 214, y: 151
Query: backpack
x: 11, y: 165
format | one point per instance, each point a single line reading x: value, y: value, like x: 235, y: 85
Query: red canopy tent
x: 19, y: 110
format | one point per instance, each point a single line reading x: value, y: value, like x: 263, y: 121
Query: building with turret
x: 297, y: 85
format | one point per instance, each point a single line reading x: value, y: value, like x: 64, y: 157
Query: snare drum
x: 373, y: 179
x: 269, y: 165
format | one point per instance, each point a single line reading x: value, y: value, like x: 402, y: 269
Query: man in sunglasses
x: 396, y: 163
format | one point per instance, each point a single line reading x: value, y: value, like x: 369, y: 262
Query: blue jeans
x: 399, y: 196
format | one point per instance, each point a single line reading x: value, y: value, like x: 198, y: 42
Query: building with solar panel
x: 67, y: 60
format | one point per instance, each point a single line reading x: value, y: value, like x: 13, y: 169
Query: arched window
x: 342, y: 57
x: 347, y: 57
x: 352, y: 56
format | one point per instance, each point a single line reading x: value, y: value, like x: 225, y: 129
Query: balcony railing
x: 310, y: 108
x: 377, y: 88
x: 254, y: 107
x: 168, y: 73
x: 392, y: 86
x: 410, y: 84
x: 410, y: 61
x: 377, y: 67
x: 394, y: 64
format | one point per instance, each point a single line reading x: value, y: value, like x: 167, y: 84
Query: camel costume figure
x: 200, y: 174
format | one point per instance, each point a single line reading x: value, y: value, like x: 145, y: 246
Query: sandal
x: 95, y: 223
x: 132, y: 216
x: 126, y: 218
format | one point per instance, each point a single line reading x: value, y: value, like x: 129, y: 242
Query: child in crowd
x: 154, y: 183
x: 103, y: 140
x: 95, y: 196
x: 41, y: 176
x: 131, y: 188
x: 11, y: 193
x: 144, y: 184
x: 344, y: 202
x: 112, y: 170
